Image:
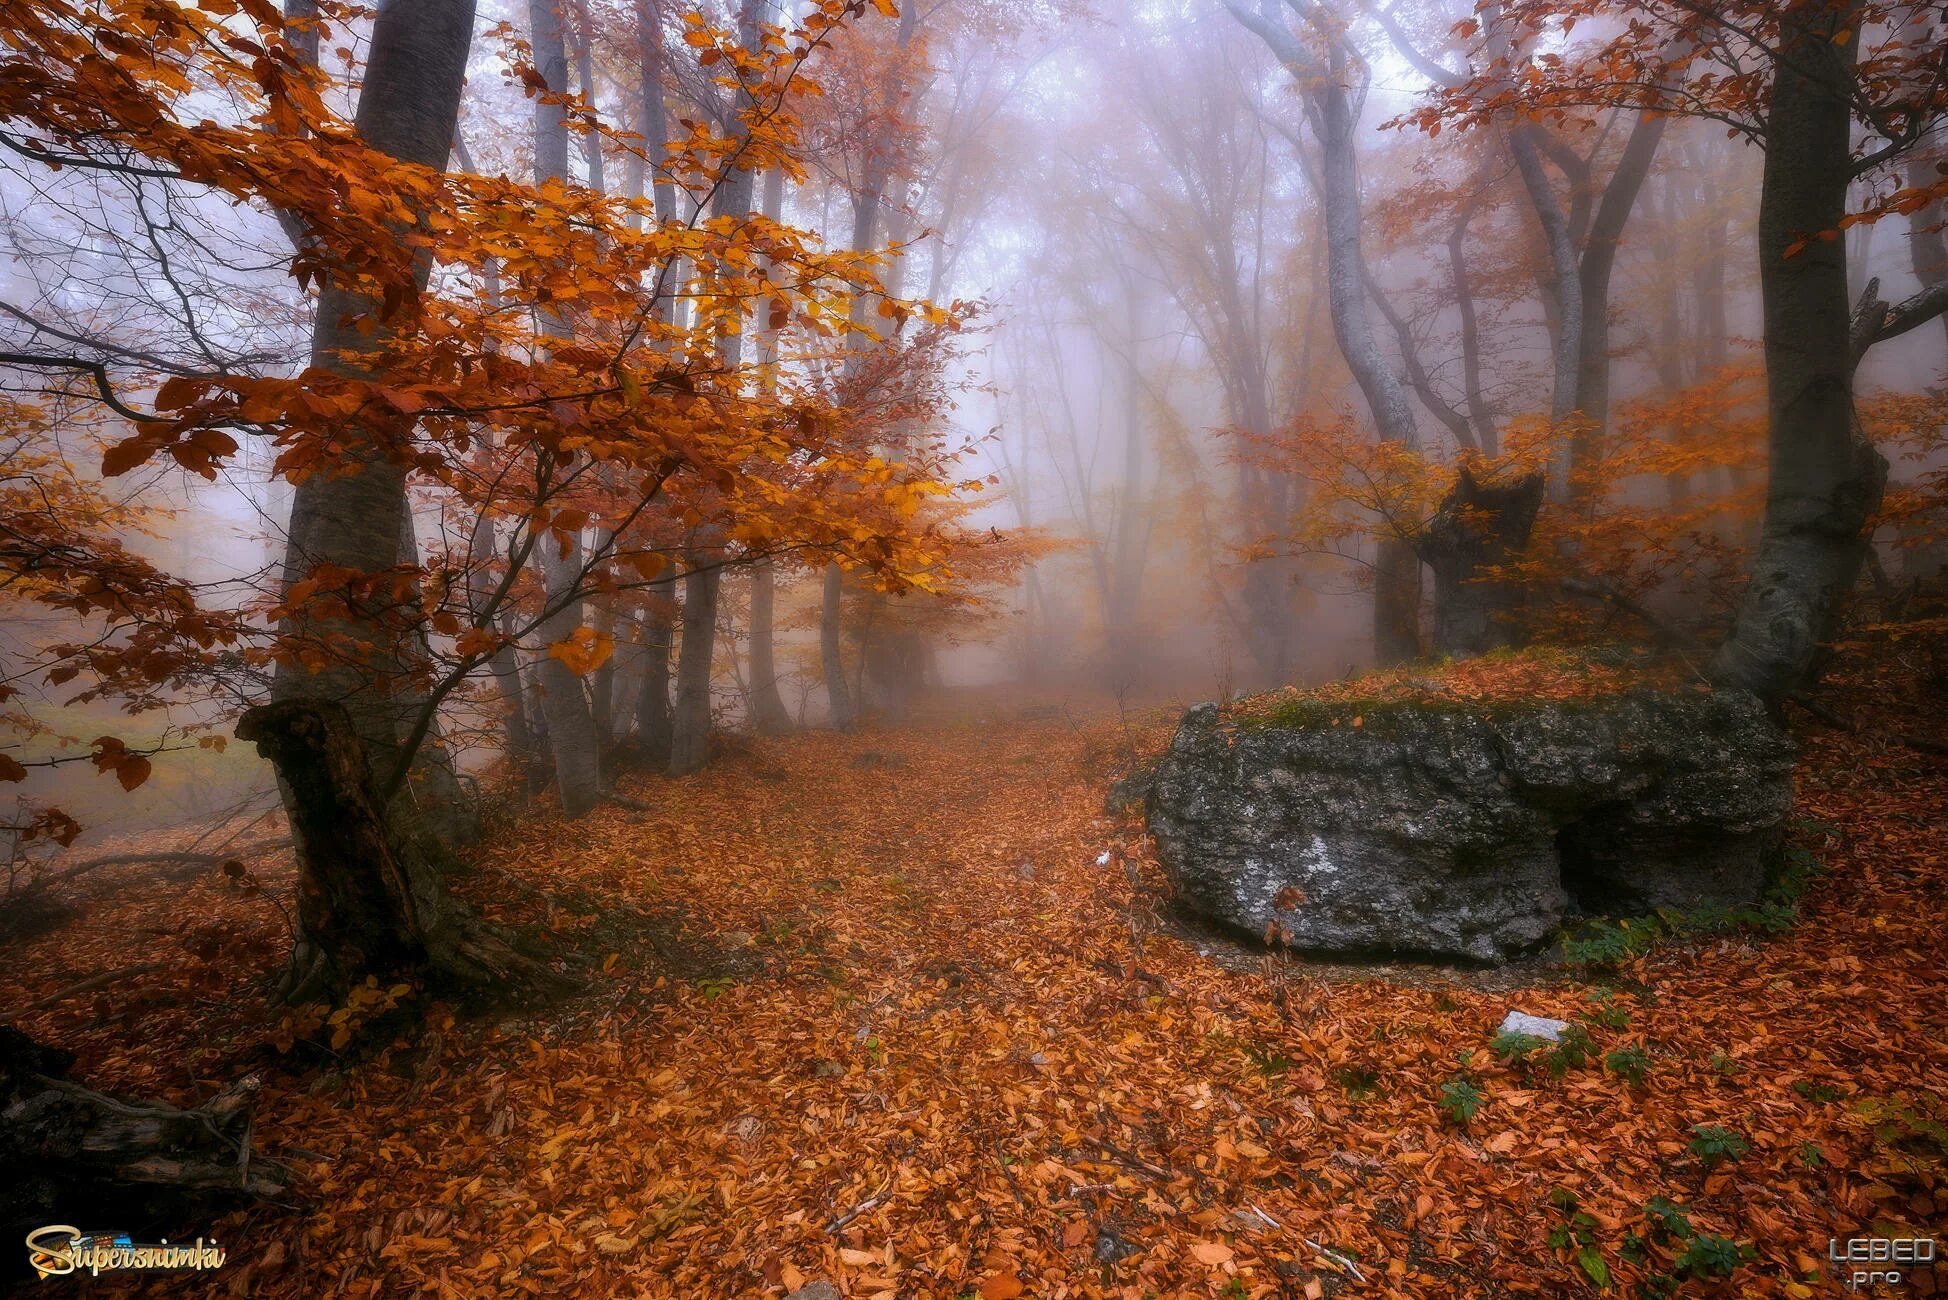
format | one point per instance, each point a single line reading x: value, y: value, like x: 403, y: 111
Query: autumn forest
x: 974, y: 648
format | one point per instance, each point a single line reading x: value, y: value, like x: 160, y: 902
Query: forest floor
x: 906, y: 1012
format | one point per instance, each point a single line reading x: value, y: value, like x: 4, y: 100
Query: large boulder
x: 1463, y: 828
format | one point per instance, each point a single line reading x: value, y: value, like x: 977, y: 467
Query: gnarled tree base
x: 1480, y: 525
x: 368, y: 901
x: 70, y: 1154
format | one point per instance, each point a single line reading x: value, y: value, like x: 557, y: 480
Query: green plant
x: 1574, y: 1049
x: 1359, y: 1081
x: 1817, y: 1092
x: 1668, y: 1219
x: 1461, y: 1100
x: 715, y: 987
x: 1268, y: 1060
x: 1513, y: 1046
x: 1725, y: 1066
x: 1606, y: 1013
x: 1713, y: 1143
x: 1709, y: 1256
x: 1629, y: 1063
x: 1605, y: 944
x: 1577, y: 1230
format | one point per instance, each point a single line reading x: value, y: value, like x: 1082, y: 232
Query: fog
x: 1129, y: 205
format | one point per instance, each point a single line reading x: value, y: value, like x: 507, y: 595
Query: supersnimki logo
x: 61, y: 1248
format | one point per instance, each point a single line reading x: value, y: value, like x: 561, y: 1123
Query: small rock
x: 815, y: 1291
x: 1128, y: 793
x: 1520, y: 1022
x: 1026, y: 871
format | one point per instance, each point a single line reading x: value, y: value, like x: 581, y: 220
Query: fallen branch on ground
x: 88, y: 985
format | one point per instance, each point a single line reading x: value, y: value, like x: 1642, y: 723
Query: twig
x: 1840, y: 723
x: 141, y: 859
x: 624, y: 801
x: 1346, y: 1265
x: 88, y: 985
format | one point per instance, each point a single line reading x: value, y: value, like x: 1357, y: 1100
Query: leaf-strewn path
x: 918, y: 1032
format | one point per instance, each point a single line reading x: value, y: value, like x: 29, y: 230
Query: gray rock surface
x: 1521, y: 1022
x: 1453, y: 828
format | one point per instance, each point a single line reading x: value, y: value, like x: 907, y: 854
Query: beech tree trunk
x: 1329, y: 107
x: 768, y: 712
x: 831, y: 660
x: 1479, y: 525
x: 653, y: 699
x: 1594, y: 272
x: 690, y: 721
x: 572, y: 734
x: 1826, y: 479
x: 1927, y: 249
x: 359, y: 519
x: 368, y: 902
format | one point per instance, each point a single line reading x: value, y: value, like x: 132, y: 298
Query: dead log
x: 369, y: 902
x: 71, y: 1154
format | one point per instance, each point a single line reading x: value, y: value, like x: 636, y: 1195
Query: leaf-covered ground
x: 906, y: 1013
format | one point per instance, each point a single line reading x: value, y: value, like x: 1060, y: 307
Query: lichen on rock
x: 1439, y: 823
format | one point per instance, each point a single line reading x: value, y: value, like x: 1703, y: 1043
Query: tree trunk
x: 1594, y: 273
x: 1826, y: 479
x: 768, y: 712
x: 359, y: 519
x: 1479, y: 526
x: 690, y: 723
x: 1927, y: 250
x: 367, y: 902
x: 572, y: 732
x: 1396, y: 602
x: 831, y: 659
x: 1396, y: 593
x: 690, y: 731
x: 653, y: 701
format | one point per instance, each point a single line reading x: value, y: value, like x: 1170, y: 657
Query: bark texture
x: 1479, y: 526
x: 768, y: 712
x: 831, y: 660
x: 367, y: 903
x: 1826, y: 479
x: 572, y: 733
x: 69, y: 1154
